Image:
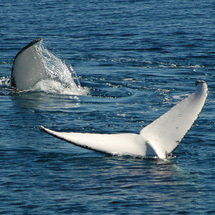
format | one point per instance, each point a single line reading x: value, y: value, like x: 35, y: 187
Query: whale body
x: 158, y: 139
x: 28, y: 67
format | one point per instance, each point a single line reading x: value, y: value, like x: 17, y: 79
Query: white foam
x: 55, y: 87
x: 5, y: 81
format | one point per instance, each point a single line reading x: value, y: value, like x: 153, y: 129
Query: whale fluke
x: 160, y: 138
x: 28, y: 67
x: 166, y: 132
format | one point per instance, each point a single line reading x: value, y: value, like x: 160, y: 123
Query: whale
x: 28, y: 67
x: 35, y: 68
x: 157, y: 140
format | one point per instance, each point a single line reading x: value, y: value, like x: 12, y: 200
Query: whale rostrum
x: 158, y: 139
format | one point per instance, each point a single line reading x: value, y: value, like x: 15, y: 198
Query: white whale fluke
x: 160, y: 138
x: 28, y: 67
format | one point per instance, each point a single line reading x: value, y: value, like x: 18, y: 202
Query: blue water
x: 136, y: 59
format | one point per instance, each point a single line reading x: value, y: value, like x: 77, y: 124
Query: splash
x: 58, y: 78
x: 5, y: 88
x: 5, y: 81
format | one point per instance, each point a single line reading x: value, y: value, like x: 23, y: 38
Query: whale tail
x: 160, y: 138
x: 28, y: 67
x: 165, y: 133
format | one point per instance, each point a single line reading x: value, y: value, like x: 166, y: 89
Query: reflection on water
x: 43, y: 101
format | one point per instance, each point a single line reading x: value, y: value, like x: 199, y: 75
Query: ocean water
x: 133, y: 60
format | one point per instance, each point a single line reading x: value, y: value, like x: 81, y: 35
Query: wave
x: 136, y: 62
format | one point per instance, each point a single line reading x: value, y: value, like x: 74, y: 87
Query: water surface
x: 136, y: 59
